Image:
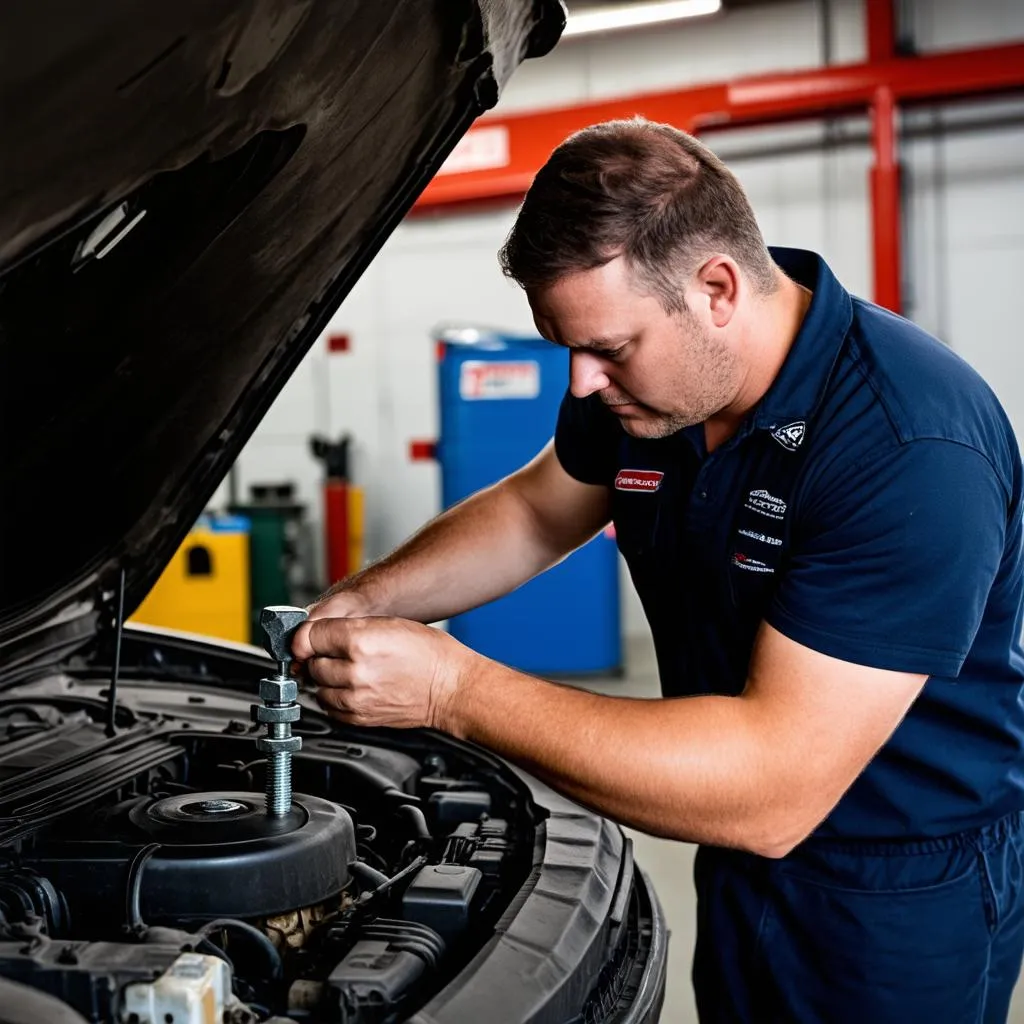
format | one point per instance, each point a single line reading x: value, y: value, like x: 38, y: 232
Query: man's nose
x: 586, y: 375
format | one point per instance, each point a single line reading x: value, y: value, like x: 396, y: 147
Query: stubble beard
x: 707, y: 375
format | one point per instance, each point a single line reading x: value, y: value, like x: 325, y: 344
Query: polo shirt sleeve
x: 587, y: 439
x: 892, y: 559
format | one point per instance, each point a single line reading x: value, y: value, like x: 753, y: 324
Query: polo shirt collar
x: 799, y: 387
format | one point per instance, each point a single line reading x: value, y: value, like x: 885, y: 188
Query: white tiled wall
x: 965, y: 239
x: 750, y: 41
x: 953, y: 24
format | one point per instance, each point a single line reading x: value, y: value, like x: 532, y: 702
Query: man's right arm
x: 480, y: 549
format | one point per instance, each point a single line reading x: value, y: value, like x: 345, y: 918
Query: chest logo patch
x: 742, y: 561
x: 764, y: 502
x: 646, y: 480
x: 775, y: 542
x: 791, y: 436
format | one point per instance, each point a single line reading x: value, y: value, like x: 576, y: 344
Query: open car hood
x: 189, y: 192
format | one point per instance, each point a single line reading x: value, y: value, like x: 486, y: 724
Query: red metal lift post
x: 880, y: 86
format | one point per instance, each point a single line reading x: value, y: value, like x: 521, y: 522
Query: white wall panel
x: 773, y: 37
x: 558, y: 80
x: 806, y: 193
x: 847, y: 38
x: 953, y: 24
x: 301, y: 407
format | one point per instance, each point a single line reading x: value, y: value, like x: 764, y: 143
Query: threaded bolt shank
x: 279, y: 784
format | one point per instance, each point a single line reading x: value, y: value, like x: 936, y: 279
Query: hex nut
x: 287, y: 713
x: 279, y: 691
x: 285, y: 745
x: 279, y: 622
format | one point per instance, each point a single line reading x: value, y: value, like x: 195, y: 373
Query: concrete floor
x: 670, y: 864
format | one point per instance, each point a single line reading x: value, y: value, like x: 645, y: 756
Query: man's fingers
x: 343, y: 704
x: 302, y: 650
x: 333, y: 672
x: 333, y: 698
x: 334, y: 702
x: 322, y: 637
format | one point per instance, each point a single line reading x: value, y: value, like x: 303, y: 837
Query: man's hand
x: 340, y: 604
x: 381, y: 671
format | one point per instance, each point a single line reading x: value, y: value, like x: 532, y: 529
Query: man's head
x: 636, y: 247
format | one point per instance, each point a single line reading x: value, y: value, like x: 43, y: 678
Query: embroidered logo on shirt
x: 648, y: 480
x: 775, y: 542
x: 767, y: 504
x: 742, y: 561
x: 791, y: 436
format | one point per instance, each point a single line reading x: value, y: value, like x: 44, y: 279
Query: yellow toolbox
x: 205, y: 587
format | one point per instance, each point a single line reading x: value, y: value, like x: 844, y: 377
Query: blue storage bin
x: 499, y: 404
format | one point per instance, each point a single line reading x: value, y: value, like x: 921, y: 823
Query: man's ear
x: 718, y: 280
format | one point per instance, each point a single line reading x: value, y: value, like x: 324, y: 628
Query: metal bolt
x: 280, y: 707
x: 279, y: 784
x: 279, y: 622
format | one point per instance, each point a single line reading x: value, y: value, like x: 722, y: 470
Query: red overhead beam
x: 517, y: 145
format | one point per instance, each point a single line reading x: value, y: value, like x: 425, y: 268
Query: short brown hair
x: 638, y: 189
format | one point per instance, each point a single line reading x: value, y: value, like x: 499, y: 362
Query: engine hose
x: 133, y: 910
x: 269, y: 950
x: 415, y: 816
x: 368, y: 875
x: 390, y: 883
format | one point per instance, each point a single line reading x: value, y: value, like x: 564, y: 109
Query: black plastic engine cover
x: 218, y: 855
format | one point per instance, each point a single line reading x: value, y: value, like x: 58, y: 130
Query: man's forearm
x: 700, y: 769
x: 476, y: 551
x: 758, y: 771
x: 481, y: 548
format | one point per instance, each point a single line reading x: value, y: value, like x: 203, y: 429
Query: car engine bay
x: 143, y: 877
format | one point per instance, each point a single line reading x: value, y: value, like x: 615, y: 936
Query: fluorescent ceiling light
x: 619, y: 16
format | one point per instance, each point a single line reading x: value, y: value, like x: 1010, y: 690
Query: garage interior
x: 888, y: 135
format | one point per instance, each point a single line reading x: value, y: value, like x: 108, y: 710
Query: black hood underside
x: 189, y: 190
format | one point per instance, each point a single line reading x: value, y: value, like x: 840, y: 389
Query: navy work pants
x: 928, y: 932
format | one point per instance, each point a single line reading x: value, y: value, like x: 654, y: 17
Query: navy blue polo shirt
x: 868, y: 508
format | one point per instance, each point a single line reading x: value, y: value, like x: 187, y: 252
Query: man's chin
x: 647, y: 425
x: 646, y: 428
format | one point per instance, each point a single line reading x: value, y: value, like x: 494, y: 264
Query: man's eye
x: 615, y: 353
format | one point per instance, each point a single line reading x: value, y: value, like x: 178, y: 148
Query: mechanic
x: 820, y: 506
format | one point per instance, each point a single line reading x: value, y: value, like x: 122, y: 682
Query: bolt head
x: 279, y: 691
x: 279, y: 622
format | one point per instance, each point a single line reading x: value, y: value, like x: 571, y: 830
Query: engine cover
x: 216, y: 855
x: 222, y: 856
